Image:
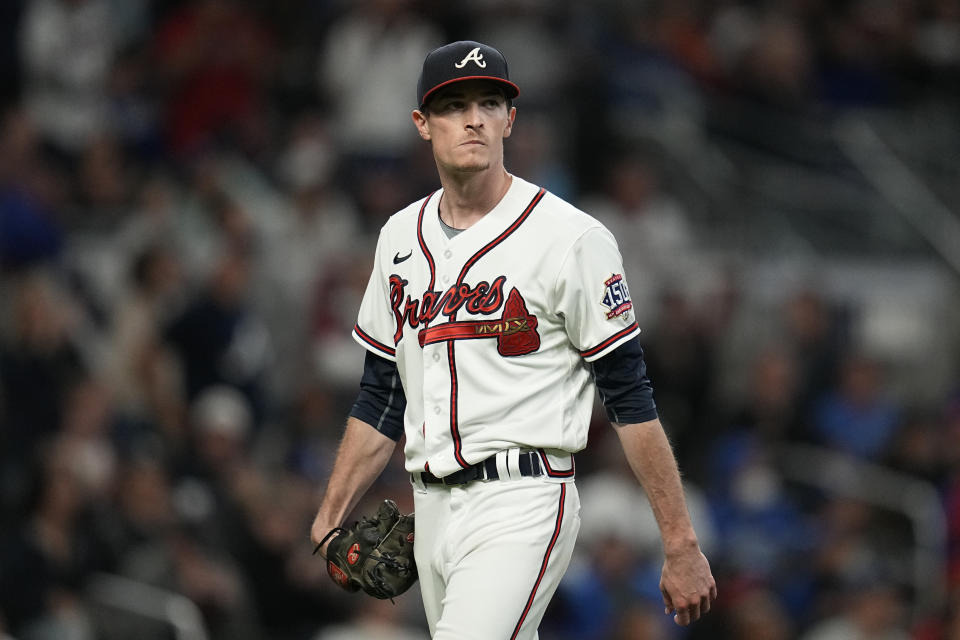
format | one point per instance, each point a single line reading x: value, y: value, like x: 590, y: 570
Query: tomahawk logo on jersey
x: 504, y: 314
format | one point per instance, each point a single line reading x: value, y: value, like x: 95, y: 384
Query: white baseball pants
x: 491, y: 554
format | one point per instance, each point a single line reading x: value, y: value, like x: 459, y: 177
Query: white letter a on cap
x: 474, y: 55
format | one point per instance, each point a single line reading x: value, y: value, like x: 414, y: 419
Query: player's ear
x: 511, y: 116
x: 421, y: 123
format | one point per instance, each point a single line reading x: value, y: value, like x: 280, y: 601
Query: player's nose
x: 474, y: 115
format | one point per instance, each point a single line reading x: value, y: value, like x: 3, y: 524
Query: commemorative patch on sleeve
x: 616, y: 296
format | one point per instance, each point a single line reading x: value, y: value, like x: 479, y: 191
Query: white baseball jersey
x: 491, y: 330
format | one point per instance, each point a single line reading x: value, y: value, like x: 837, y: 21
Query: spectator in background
x: 216, y: 465
x: 212, y: 580
x: 47, y: 559
x: 215, y: 61
x: 635, y: 203
x: 133, y: 108
x: 918, y: 448
x: 214, y: 480
x: 642, y: 85
x: 140, y: 367
x: 219, y: 339
x: 857, y: 416
x: 862, y: 44
x: 535, y: 152
x: 105, y: 184
x: 769, y: 403
x: 858, y: 559
x: 317, y: 231
x: 291, y: 591
x: 94, y: 257
x: 85, y: 440
x: 936, y: 41
x: 682, y: 357
x: 144, y: 516
x: 754, y: 612
x: 30, y: 196
x: 39, y: 363
x: 871, y: 609
x: 762, y: 532
x: 813, y: 331
x: 131, y: 20
x: 775, y: 67
x: 641, y: 622
x: 682, y: 30
x: 951, y: 490
x: 67, y: 48
x: 384, y: 42
x: 337, y: 295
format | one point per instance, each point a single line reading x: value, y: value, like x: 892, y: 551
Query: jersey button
x: 447, y: 253
x: 436, y: 357
x: 436, y: 410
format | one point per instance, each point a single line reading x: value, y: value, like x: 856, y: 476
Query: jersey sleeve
x: 593, y: 297
x: 381, y: 401
x: 375, y: 322
x: 623, y: 385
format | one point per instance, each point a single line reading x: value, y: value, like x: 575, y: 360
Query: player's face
x: 466, y: 124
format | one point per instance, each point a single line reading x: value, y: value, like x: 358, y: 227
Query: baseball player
x: 493, y: 311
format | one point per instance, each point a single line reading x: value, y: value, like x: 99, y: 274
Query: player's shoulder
x: 564, y: 220
x: 408, y: 216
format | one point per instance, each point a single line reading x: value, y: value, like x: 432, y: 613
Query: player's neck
x: 468, y: 198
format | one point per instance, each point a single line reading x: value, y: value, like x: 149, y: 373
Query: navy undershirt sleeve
x: 621, y: 379
x: 381, y: 401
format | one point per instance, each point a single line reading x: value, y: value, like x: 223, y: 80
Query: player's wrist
x: 323, y: 544
x: 681, y: 545
x: 320, y: 529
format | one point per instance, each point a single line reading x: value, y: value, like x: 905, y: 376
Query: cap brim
x: 512, y: 90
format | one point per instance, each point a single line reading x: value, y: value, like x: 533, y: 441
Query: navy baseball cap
x: 463, y: 60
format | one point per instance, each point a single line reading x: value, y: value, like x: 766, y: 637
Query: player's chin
x: 472, y: 167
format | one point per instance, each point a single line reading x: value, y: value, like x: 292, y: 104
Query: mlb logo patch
x: 616, y: 296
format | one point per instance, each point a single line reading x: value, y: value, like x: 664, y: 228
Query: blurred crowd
x: 190, y: 192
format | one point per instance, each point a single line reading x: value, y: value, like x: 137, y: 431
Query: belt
x: 529, y: 464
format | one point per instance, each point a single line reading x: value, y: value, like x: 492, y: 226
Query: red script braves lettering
x: 484, y: 298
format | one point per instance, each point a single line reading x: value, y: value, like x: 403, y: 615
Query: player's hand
x: 687, y: 586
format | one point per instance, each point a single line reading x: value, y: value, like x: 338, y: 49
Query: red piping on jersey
x: 454, y: 432
x: 555, y: 473
x: 379, y: 346
x: 543, y: 565
x: 606, y: 343
x: 423, y: 245
x: 454, y: 428
x: 493, y: 243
